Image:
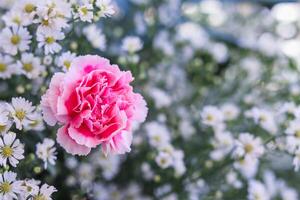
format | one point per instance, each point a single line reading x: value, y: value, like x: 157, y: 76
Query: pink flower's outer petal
x: 141, y: 109
x: 83, y: 139
x: 119, y: 144
x: 69, y: 144
x: 49, y: 100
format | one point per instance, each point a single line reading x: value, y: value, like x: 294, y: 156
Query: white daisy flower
x: 264, y: 118
x: 44, y: 192
x: 7, y: 67
x: 11, y: 150
x: 257, y: 190
x: 14, y: 39
x: 230, y: 111
x: 15, y: 18
x: 5, y: 121
x: 53, y: 14
x: 27, y: 7
x: 106, y: 8
x: 131, y: 44
x: 49, y: 40
x: 36, y: 122
x: 30, y: 66
x: 248, y: 145
x: 30, y: 187
x: 21, y: 111
x: 95, y: 37
x: 46, y: 152
x: 9, y: 186
x: 158, y: 134
x: 65, y: 60
x: 211, y: 116
x: 164, y: 160
x: 85, y: 11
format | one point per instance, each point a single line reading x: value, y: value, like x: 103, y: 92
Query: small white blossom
x: 85, y: 11
x: 95, y: 37
x: 211, y: 116
x: 131, y: 44
x: 248, y: 145
x: 65, y: 60
x: 46, y: 152
x: 14, y: 39
x: 44, y: 192
x: 164, y: 160
x: 10, y: 187
x: 11, y: 150
x: 106, y: 8
x: 158, y: 134
x: 257, y: 190
x: 30, y: 66
x: 230, y: 111
x: 21, y: 111
x: 48, y: 39
x: 7, y: 67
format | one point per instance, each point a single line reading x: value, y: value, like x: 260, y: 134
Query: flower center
x: 50, y: 40
x: 7, y: 151
x: 17, y: 20
x: 20, y: 114
x: 84, y: 10
x: 39, y: 197
x: 3, y: 67
x: 2, y: 128
x: 29, y: 8
x: 67, y: 64
x: 15, y: 39
x: 209, y: 118
x: 248, y: 148
x: 297, y: 134
x: 28, y: 67
x: 45, y: 22
x: 5, y: 187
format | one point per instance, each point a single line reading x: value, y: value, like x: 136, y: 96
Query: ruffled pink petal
x: 49, y: 100
x: 83, y: 137
x: 69, y: 144
x: 119, y: 144
x: 141, y: 109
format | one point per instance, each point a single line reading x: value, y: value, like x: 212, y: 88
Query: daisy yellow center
x: 34, y: 123
x: 3, y: 67
x: 297, y: 134
x: 2, y: 128
x: 67, y: 64
x: 163, y: 161
x: 209, y: 117
x: 7, y: 151
x: 20, y: 114
x: 28, y: 67
x: 84, y: 10
x: 5, y: 187
x: 15, y: 39
x: 45, y: 22
x: 17, y: 20
x: 248, y: 148
x: 39, y: 197
x: 29, y: 8
x: 262, y: 118
x: 50, y: 40
x: 156, y: 138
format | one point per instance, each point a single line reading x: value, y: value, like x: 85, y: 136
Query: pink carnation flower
x: 95, y: 104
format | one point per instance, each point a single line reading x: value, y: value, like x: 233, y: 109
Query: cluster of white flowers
x: 21, y: 113
x: 45, y: 24
x: 167, y: 156
x: 11, y: 188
